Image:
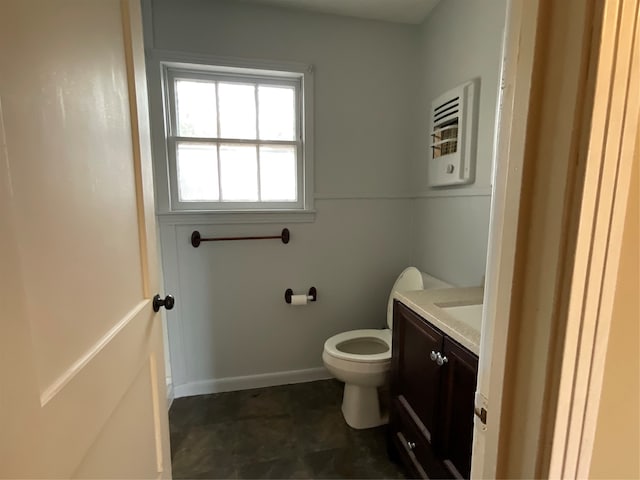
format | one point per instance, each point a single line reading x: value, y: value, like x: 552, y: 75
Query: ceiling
x: 402, y: 11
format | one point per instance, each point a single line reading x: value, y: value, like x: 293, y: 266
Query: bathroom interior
x: 251, y: 395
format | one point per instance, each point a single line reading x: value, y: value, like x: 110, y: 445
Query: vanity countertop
x: 455, y: 311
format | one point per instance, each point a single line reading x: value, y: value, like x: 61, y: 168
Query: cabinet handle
x: 411, y: 445
x: 440, y: 360
x: 434, y: 355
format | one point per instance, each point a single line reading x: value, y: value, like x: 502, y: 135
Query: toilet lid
x: 409, y: 279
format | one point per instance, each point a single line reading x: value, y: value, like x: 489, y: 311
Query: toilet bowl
x: 362, y: 358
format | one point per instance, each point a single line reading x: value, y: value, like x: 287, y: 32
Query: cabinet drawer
x: 411, y: 445
x: 408, y: 457
x: 416, y: 452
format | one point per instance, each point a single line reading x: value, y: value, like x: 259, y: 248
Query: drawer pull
x: 433, y: 355
x: 411, y: 445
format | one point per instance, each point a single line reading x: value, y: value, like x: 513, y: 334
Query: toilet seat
x: 331, y: 345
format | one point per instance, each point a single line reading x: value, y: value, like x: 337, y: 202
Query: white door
x: 82, y: 389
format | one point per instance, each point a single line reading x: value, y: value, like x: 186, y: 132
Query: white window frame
x: 177, y: 65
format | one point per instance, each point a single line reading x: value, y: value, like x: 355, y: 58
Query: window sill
x: 235, y: 217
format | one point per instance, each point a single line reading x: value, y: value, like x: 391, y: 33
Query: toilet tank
x: 412, y: 279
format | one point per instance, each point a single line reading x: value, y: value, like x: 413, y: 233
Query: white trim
x: 363, y: 196
x: 230, y: 384
x: 176, y: 56
x: 284, y: 217
x: 467, y: 192
x: 174, y: 319
x: 158, y: 101
x: 512, y: 109
x: 234, y: 218
x: 214, y: 75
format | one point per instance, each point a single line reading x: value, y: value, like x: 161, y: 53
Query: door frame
x: 613, y: 142
x: 564, y: 64
x: 509, y: 144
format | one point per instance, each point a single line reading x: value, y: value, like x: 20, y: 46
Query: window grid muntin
x: 279, y: 79
x: 257, y: 119
x: 218, y: 144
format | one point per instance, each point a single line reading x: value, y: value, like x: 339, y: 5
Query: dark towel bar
x: 196, y: 238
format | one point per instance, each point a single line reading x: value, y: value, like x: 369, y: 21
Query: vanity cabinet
x: 433, y: 381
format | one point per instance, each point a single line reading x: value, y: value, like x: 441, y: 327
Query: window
x: 236, y: 139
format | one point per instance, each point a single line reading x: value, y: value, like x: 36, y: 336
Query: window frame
x: 254, y: 72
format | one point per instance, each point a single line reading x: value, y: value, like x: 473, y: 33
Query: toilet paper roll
x: 299, y: 299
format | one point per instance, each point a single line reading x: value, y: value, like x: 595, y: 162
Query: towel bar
x: 196, y: 238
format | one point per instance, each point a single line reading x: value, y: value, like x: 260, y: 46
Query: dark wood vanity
x: 433, y: 380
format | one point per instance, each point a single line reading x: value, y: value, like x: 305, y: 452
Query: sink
x: 470, y: 315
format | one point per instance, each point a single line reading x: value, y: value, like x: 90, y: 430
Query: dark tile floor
x: 290, y: 431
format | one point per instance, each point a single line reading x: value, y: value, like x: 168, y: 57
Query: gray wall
x: 231, y: 325
x: 365, y: 79
x: 459, y: 40
x: 374, y: 82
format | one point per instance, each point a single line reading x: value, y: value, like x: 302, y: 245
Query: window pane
x: 196, y: 108
x: 237, y: 110
x: 197, y: 172
x: 239, y: 173
x: 277, y: 113
x: 278, y: 174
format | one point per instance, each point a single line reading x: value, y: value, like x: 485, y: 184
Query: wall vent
x: 452, y: 137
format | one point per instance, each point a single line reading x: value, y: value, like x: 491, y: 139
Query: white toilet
x: 362, y: 358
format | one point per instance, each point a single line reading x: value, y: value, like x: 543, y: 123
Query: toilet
x: 362, y: 358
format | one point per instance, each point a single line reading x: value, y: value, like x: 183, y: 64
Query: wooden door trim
x: 612, y: 139
x: 553, y: 173
x: 141, y: 142
x: 517, y: 70
x: 548, y: 87
x: 132, y: 21
x: 125, y: 9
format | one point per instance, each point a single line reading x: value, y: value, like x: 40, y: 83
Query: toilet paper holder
x: 312, y: 296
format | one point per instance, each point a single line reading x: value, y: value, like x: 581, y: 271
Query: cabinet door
x: 456, y: 421
x: 415, y: 377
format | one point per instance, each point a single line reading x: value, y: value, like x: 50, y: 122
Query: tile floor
x: 291, y: 431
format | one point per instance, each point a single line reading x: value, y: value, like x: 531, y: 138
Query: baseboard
x: 229, y: 384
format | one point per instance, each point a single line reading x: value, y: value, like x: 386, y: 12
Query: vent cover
x: 452, y: 137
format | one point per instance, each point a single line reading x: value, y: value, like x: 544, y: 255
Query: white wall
x: 231, y: 324
x: 460, y: 40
